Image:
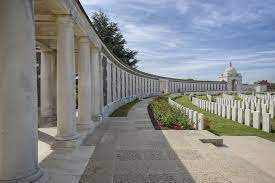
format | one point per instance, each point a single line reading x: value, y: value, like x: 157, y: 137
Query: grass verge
x: 123, y: 110
x: 221, y: 126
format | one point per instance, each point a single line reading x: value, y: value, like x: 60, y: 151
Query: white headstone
x: 200, y: 121
x: 234, y: 114
x: 228, y: 112
x: 223, y: 111
x: 266, y: 122
x: 247, y: 117
x: 241, y: 115
x: 256, y: 119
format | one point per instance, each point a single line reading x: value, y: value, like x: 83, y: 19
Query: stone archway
x: 234, y: 85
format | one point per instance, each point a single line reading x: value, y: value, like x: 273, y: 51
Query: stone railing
x: 240, y: 111
x: 194, y: 116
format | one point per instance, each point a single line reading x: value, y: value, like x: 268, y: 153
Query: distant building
x: 262, y: 86
x: 232, y: 77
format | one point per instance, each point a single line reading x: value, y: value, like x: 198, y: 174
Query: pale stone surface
x: 195, y: 119
x: 46, y: 83
x: 84, y: 83
x: 66, y: 119
x: 224, y: 111
x: 266, y: 122
x: 255, y: 150
x: 247, y: 117
x: 64, y: 165
x: 241, y: 115
x: 200, y: 121
x: 256, y: 119
x: 228, y: 112
x: 18, y: 93
x: 272, y: 111
x: 219, y: 109
x: 130, y: 150
x: 234, y: 114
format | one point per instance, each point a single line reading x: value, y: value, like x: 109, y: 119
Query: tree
x: 112, y: 37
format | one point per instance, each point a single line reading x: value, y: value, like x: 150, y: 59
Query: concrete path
x: 129, y: 150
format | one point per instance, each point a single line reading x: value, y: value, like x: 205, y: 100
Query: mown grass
x: 123, y: 110
x: 220, y: 126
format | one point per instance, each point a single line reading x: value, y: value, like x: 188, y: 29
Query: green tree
x: 112, y: 37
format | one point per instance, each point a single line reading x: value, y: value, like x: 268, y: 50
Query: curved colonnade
x: 61, y: 32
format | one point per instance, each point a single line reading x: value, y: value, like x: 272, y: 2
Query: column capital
x: 64, y: 19
x: 83, y: 39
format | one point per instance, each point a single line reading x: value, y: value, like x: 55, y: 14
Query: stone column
x: 18, y: 93
x: 123, y: 83
x: 66, y: 112
x: 114, y: 83
x: 84, y: 83
x: 95, y: 84
x: 46, y: 84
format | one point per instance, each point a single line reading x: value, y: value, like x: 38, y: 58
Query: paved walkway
x: 129, y: 150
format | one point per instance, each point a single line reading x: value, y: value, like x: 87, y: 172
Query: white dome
x: 230, y: 71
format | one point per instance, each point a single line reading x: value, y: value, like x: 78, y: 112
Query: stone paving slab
x: 127, y: 153
x: 256, y: 150
x: 64, y: 165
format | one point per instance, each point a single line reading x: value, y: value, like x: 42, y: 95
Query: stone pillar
x: 18, y: 93
x: 95, y: 84
x: 266, y: 122
x: 118, y: 84
x: 200, y: 121
x: 256, y: 119
x: 241, y: 115
x: 66, y: 112
x: 114, y: 83
x: 46, y: 84
x: 84, y: 83
x: 247, y: 118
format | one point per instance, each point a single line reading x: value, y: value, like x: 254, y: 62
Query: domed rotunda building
x: 232, y: 77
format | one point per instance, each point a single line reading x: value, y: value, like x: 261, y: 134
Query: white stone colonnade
x: 61, y: 31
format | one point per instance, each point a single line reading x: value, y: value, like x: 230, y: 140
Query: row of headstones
x: 244, y: 116
x: 259, y: 98
x: 193, y: 116
x: 266, y: 96
x: 248, y: 103
x: 226, y: 96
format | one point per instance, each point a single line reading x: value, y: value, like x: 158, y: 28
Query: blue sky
x: 197, y: 38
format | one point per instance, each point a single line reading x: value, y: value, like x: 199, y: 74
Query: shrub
x: 168, y: 115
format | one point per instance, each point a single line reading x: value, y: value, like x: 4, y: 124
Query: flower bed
x: 164, y: 116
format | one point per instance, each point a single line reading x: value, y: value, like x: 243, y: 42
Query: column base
x: 97, y: 118
x: 86, y: 125
x: 67, y: 141
x: 38, y: 176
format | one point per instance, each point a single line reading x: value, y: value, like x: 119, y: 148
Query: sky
x: 197, y: 38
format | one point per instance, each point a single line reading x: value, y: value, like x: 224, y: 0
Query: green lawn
x: 221, y: 126
x: 123, y: 110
